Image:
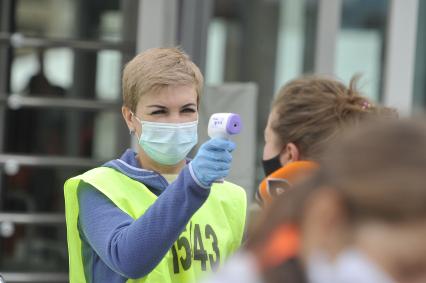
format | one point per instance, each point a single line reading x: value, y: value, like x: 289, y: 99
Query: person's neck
x: 147, y: 163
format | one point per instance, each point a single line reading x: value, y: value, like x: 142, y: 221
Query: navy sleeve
x: 130, y: 247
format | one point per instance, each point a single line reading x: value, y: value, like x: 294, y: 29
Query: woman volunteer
x: 153, y: 215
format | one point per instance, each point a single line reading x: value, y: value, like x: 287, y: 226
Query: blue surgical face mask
x: 168, y: 143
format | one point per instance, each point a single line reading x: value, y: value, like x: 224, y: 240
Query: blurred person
x: 360, y: 218
x: 154, y: 215
x: 366, y: 222
x: 306, y: 115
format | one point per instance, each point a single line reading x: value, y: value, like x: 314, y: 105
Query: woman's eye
x: 188, y: 110
x: 158, y: 112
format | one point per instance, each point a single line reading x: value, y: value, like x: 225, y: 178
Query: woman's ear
x: 289, y: 153
x: 127, y: 115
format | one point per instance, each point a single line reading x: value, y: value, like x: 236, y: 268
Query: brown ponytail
x: 313, y: 109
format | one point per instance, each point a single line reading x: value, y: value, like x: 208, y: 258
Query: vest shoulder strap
x: 111, y: 183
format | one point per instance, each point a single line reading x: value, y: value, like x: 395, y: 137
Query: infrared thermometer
x: 224, y: 125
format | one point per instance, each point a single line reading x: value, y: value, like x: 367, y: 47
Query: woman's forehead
x: 273, y: 116
x: 170, y: 96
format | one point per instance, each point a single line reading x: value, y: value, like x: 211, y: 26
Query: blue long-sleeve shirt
x: 117, y: 247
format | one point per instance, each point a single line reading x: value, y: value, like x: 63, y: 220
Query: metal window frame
x: 157, y: 21
x: 399, y: 66
x: 6, y: 16
x: 194, y: 20
x: 400, y: 55
x: 328, y: 26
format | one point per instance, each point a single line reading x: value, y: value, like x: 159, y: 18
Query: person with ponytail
x: 307, y: 114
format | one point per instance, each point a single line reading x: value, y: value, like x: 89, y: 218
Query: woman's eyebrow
x: 156, y: 106
x: 189, y: 104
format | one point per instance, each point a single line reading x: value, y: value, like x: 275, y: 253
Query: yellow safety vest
x: 212, y: 234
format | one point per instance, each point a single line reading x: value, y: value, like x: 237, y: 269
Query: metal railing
x: 17, y: 101
x: 33, y: 218
x: 12, y: 162
x: 9, y: 221
x: 18, y: 40
x: 15, y: 277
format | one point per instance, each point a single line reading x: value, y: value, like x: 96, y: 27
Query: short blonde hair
x: 155, y: 69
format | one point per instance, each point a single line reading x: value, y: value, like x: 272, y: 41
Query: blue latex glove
x: 212, y: 162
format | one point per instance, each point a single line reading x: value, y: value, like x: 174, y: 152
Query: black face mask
x: 271, y: 165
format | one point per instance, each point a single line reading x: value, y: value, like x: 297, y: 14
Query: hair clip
x: 366, y: 105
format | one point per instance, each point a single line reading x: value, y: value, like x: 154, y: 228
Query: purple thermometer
x: 224, y: 125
